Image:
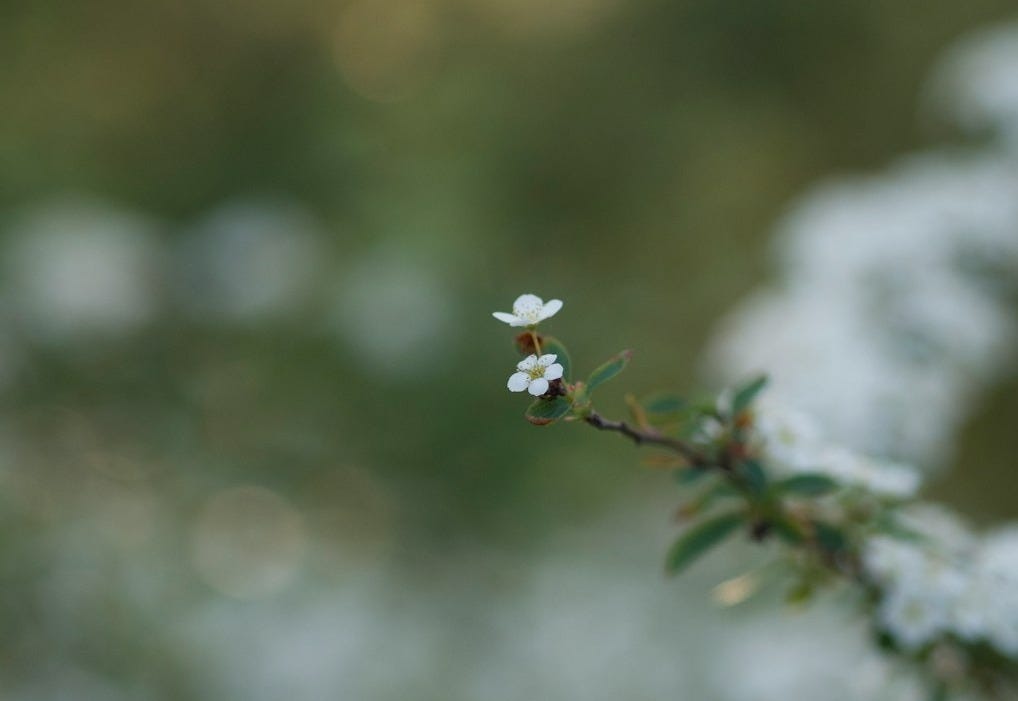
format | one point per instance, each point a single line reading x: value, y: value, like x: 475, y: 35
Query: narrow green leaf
x: 663, y: 403
x: 546, y: 411
x: 550, y: 344
x: 808, y: 484
x: 753, y: 475
x: 707, y: 498
x: 699, y: 539
x: 890, y: 525
x: 746, y: 393
x: 609, y: 370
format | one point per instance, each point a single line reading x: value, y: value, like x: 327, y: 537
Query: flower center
x: 529, y: 312
x: 536, y: 372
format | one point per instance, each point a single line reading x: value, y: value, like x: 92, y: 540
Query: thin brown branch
x: 647, y: 437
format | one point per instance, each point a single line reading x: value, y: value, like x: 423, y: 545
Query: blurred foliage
x: 628, y: 157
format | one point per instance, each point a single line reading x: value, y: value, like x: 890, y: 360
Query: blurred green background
x: 442, y: 156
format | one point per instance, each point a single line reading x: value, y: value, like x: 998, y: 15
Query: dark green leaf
x: 699, y: 539
x: 690, y: 475
x: 609, y: 370
x: 550, y: 344
x: 746, y: 393
x: 810, y: 484
x: 830, y: 538
x: 546, y: 411
x: 890, y: 525
x: 753, y: 476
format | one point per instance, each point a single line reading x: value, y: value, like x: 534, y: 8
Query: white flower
x: 529, y: 310
x: 534, y: 374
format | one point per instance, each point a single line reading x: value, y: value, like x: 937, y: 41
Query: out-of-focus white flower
x: 945, y: 582
x: 533, y: 374
x: 80, y: 269
x: 529, y: 310
x: 988, y: 608
x: 893, y: 295
x: 791, y: 443
x: 921, y: 589
x: 250, y: 261
x: 397, y: 313
x: 976, y: 83
x: 912, y: 617
x: 881, y: 477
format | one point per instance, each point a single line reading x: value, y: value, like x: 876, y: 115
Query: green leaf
x: 663, y: 403
x: 890, y: 525
x: 546, y: 411
x: 550, y: 344
x: 690, y: 475
x: 800, y: 593
x: 788, y: 532
x: 830, y: 538
x: 699, y: 539
x: 707, y: 498
x: 753, y: 475
x: 581, y: 400
x: 808, y: 484
x: 609, y: 370
x: 746, y: 393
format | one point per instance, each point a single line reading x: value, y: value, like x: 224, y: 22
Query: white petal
x: 528, y: 363
x: 528, y: 300
x: 546, y: 359
x: 506, y: 317
x: 554, y: 372
x: 518, y: 382
x: 538, y: 387
x: 528, y: 308
x: 551, y: 308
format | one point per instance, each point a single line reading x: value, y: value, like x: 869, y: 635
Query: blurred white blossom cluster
x: 893, y: 310
x: 794, y: 444
x: 947, y: 582
x: 976, y: 84
x: 894, y: 304
x: 79, y: 272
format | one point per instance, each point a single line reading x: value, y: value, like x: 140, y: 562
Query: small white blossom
x: 529, y: 310
x: 534, y: 374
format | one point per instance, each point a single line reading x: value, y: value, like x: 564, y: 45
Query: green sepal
x: 699, y: 539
